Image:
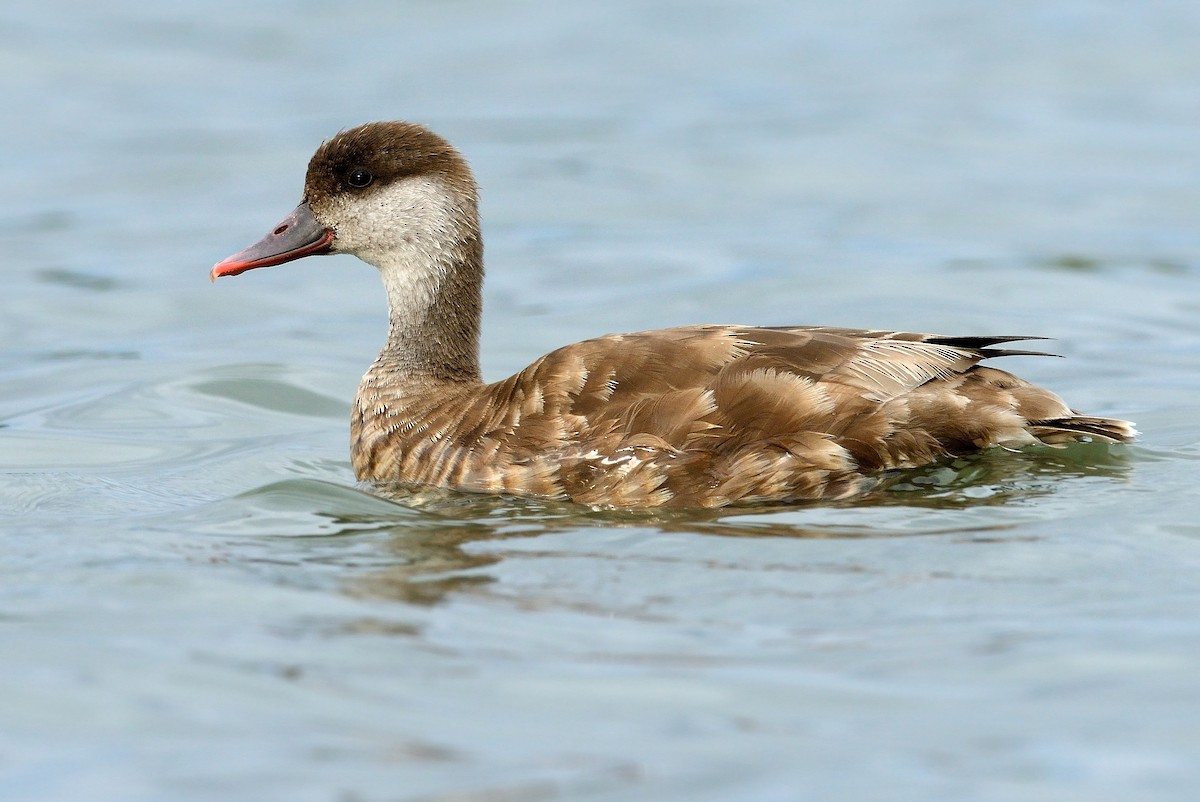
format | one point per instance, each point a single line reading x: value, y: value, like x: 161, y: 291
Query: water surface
x: 199, y: 603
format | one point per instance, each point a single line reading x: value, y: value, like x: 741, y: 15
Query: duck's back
x: 709, y: 415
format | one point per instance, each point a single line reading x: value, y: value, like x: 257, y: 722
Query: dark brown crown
x: 382, y: 152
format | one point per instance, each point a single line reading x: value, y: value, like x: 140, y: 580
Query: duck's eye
x: 360, y: 178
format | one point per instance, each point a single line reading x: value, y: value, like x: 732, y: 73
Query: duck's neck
x: 422, y: 233
x: 434, y: 309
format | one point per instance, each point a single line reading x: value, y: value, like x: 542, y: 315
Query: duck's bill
x: 297, y: 235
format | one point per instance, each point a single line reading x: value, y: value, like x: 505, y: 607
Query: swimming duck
x: 697, y: 416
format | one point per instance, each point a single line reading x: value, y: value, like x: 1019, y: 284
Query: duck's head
x: 394, y: 194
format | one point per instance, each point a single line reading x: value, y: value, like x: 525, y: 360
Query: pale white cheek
x: 405, y: 224
x: 406, y: 230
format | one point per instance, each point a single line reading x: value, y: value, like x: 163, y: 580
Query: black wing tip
x: 985, y: 346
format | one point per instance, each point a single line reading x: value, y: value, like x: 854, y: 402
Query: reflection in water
x: 431, y: 563
x: 999, y: 476
x: 414, y: 544
x: 433, y: 558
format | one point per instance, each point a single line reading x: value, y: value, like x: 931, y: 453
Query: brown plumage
x: 699, y: 416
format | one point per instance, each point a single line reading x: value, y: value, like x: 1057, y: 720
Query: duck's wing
x: 685, y: 383
x: 881, y: 364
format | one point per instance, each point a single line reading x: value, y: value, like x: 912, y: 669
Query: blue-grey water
x: 198, y: 603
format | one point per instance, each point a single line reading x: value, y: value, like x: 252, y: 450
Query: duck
x: 699, y: 416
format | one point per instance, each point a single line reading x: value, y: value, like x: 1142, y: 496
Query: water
x: 198, y: 603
